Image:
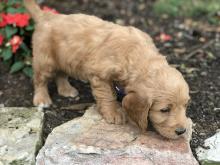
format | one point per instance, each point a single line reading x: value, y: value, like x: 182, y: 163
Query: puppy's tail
x: 33, y: 9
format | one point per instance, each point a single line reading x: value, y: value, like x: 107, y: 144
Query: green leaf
x: 2, y: 6
x: 13, y: 2
x: 9, y: 31
x: 28, y: 71
x: 6, y: 53
x: 29, y: 28
x: 17, y: 66
x: 16, y: 10
x: 22, y: 31
x: 24, y: 47
x: 2, y: 30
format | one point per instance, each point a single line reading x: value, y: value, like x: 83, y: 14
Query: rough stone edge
x: 187, y: 138
x: 39, y: 144
x: 200, y: 149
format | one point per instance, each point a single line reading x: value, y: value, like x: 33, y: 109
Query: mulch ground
x: 195, y: 52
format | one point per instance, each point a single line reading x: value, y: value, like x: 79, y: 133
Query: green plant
x: 16, y: 28
x: 189, y: 8
x: 15, y: 35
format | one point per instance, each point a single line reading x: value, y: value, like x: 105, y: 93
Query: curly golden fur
x: 88, y: 48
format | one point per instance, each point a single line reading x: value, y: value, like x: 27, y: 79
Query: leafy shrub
x: 190, y: 8
x: 16, y: 28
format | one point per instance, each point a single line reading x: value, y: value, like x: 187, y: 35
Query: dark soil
x: 201, y: 70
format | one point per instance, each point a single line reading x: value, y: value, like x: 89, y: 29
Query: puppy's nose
x: 180, y: 131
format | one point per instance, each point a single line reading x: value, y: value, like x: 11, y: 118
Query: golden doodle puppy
x: 88, y: 48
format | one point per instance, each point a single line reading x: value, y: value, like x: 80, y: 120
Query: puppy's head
x: 163, y: 99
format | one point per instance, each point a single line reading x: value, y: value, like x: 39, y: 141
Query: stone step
x: 210, y: 154
x: 20, y: 135
x: 90, y: 140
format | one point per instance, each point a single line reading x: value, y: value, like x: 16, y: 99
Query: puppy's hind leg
x: 63, y: 86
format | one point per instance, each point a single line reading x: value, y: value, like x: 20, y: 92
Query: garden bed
x: 194, y: 51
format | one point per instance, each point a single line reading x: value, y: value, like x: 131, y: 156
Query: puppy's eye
x: 165, y: 110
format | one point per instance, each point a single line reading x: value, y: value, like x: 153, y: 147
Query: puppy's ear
x: 137, y: 108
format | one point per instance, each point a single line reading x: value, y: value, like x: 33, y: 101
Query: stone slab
x: 20, y: 135
x: 89, y: 140
x: 210, y: 154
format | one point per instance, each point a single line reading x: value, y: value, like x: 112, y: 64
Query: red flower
x: 48, y: 9
x: 1, y: 39
x: 3, y: 21
x: 10, y: 18
x: 23, y: 20
x: 163, y: 37
x: 20, y: 20
x: 15, y: 43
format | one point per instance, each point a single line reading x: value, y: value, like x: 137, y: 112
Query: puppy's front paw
x: 68, y: 91
x: 115, y: 117
x: 42, y: 100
